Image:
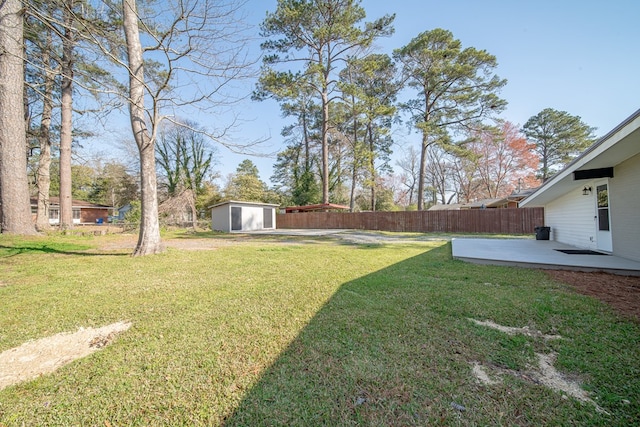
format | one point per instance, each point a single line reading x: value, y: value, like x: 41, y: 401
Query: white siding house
x: 235, y: 216
x: 594, y: 203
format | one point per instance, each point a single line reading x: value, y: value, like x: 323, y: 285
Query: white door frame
x: 603, y: 215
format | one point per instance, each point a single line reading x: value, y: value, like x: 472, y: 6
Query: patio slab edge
x: 546, y: 266
x: 543, y: 254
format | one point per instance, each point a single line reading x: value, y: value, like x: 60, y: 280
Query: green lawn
x: 276, y: 331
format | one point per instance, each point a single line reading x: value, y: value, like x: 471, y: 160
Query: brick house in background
x: 83, y: 212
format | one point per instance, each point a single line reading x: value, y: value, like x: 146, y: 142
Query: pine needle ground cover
x: 282, y: 331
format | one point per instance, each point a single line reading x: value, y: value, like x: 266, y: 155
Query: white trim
x: 237, y: 202
x: 604, y: 239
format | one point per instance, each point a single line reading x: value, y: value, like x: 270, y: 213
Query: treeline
x: 344, y: 99
x: 67, y: 65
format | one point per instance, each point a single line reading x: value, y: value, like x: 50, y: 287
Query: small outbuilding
x: 235, y: 216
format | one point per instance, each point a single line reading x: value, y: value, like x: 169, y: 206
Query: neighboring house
x: 519, y: 195
x: 480, y: 204
x: 234, y: 216
x: 83, y: 212
x: 443, y: 207
x: 486, y: 204
x: 122, y: 212
x: 178, y: 210
x: 326, y: 207
x: 594, y: 202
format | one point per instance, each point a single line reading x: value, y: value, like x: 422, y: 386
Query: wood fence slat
x: 506, y: 221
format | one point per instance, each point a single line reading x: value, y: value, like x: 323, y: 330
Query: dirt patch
x: 128, y: 242
x: 481, y: 374
x: 545, y: 373
x: 279, y: 238
x: 509, y: 330
x: 620, y: 292
x: 43, y: 356
x: 550, y: 377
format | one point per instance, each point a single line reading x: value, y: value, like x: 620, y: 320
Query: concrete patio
x: 537, y: 254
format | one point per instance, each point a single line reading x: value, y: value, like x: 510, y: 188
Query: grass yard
x: 281, y: 331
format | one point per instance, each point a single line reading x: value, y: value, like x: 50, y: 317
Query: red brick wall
x: 89, y: 215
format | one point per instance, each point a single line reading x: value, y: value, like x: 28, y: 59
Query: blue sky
x: 582, y: 57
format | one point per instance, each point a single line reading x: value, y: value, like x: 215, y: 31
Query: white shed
x: 234, y: 216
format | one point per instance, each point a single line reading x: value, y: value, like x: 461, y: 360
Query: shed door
x: 603, y: 220
x: 236, y: 218
x: 267, y: 218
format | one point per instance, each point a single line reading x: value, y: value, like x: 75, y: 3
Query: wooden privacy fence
x: 505, y: 221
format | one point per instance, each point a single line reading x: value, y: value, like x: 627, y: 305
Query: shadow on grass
x: 63, y: 249
x: 395, y: 347
x: 368, y: 357
x: 249, y: 237
x: 218, y: 235
x: 187, y: 235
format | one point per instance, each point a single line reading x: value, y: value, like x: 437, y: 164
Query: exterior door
x: 603, y: 219
x: 236, y: 218
x: 267, y: 218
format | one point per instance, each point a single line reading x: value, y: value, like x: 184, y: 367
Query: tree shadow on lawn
x: 348, y: 363
x: 390, y: 348
x: 62, y: 249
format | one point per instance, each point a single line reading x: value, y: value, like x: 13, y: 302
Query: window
x: 603, y: 207
x: 76, y: 214
x: 54, y: 213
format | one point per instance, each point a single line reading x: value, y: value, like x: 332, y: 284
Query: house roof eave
x: 238, y: 202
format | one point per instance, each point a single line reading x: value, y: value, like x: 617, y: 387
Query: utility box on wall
x: 236, y: 217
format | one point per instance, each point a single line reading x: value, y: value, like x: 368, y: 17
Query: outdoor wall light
x: 586, y: 191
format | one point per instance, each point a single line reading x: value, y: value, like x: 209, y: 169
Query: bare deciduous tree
x: 197, y: 42
x: 149, y: 238
x: 409, y: 175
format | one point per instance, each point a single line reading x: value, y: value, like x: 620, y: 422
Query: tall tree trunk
x: 356, y: 160
x: 545, y: 164
x: 372, y: 166
x: 325, y: 147
x: 14, y: 184
x: 422, y: 173
x: 307, y: 149
x: 66, y: 112
x: 352, y: 194
x: 149, y: 241
x: 43, y: 179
